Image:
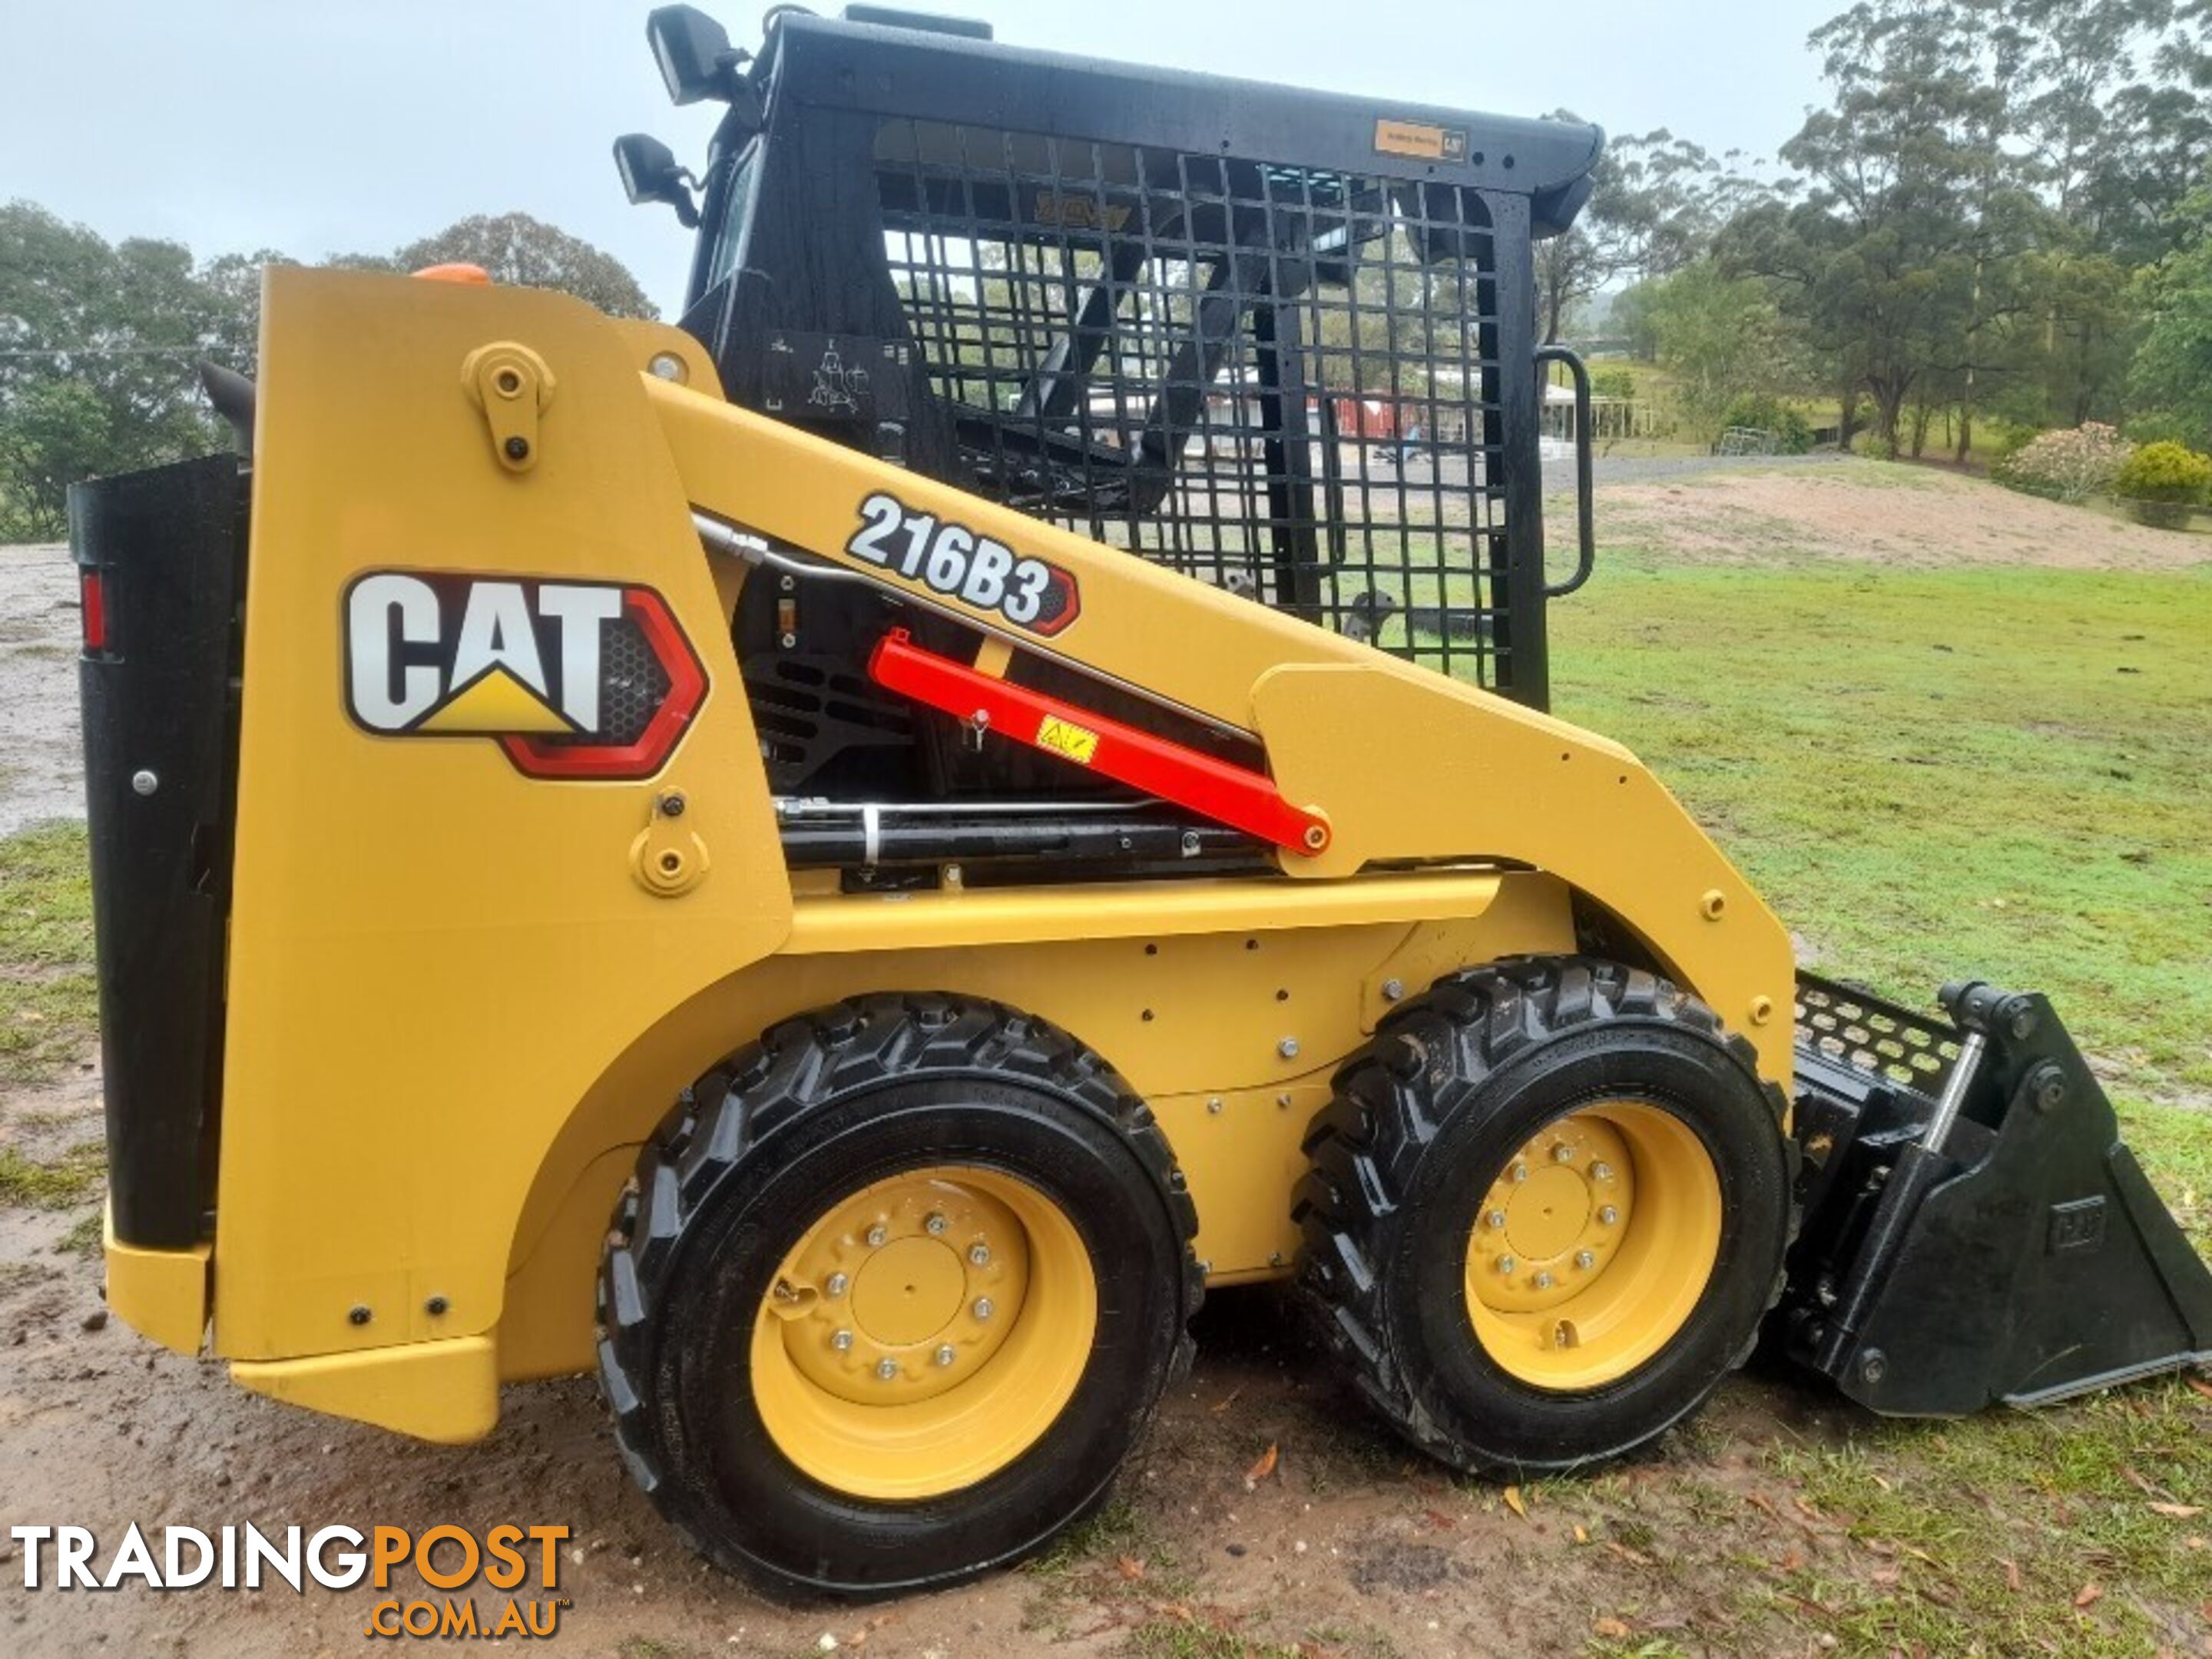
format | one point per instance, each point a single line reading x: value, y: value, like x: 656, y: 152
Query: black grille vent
x: 1848, y: 1025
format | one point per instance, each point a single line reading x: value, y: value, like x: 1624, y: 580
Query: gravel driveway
x: 1654, y: 469
x: 41, y: 757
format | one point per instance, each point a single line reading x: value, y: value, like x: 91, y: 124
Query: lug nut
x: 836, y: 1285
x: 1505, y: 1264
x: 1608, y: 1215
x: 1393, y: 989
x: 887, y: 1369
x: 945, y: 1354
x: 1496, y: 1219
x: 1602, y: 1171
x: 935, y: 1223
x: 842, y: 1340
x: 1562, y: 1153
x: 877, y: 1235
x: 1586, y: 1260
x: 1543, y: 1281
x: 983, y: 1308
x: 1520, y: 1170
x: 1288, y: 1048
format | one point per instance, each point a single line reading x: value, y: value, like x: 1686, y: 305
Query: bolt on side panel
x: 433, y: 953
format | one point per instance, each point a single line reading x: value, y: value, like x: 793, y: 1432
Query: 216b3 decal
x: 574, y: 679
x: 960, y: 563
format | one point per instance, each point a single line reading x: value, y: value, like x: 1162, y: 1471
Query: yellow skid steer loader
x: 839, y: 862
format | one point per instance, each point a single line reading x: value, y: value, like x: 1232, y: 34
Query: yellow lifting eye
x: 923, y: 1333
x: 1593, y: 1245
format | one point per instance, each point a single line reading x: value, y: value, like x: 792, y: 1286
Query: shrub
x: 1793, y: 433
x: 2157, y: 427
x: 1612, y: 383
x: 2162, y: 481
x: 2067, y: 465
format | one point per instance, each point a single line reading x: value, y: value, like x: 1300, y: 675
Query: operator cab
x: 1282, y: 342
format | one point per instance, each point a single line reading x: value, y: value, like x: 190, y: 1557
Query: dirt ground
x: 1267, y: 1512
x: 1902, y: 516
x: 1350, y: 1545
x: 40, y: 762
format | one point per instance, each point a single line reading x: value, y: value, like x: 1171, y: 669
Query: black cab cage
x: 1282, y: 341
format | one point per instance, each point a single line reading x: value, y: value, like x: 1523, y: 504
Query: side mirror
x: 649, y: 173
x: 694, y: 53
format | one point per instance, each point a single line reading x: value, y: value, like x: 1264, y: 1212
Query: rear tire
x: 1011, y: 1247
x: 1546, y: 1213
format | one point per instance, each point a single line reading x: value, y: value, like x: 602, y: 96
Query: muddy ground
x: 1350, y: 1545
x: 1267, y: 1512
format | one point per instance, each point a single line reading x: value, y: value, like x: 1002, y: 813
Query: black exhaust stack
x: 1974, y: 1230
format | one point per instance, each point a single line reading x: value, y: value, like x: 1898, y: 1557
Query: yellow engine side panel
x: 1229, y: 1036
x: 433, y: 956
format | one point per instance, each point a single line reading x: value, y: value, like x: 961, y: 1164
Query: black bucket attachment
x: 1974, y: 1232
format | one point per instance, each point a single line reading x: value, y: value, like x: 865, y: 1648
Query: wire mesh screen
x: 1279, y: 380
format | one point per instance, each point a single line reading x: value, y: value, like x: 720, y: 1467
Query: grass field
x: 48, y: 1002
x: 1931, y: 772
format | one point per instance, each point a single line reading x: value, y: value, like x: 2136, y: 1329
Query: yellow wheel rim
x: 923, y: 1333
x: 1593, y: 1245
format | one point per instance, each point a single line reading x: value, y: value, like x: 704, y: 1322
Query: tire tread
x: 1363, y: 1147
x: 798, y: 1064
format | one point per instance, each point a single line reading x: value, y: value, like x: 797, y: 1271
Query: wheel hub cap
x: 1593, y: 1245
x: 908, y: 1253
x: 906, y: 1292
x: 1553, y: 1194
x: 923, y: 1331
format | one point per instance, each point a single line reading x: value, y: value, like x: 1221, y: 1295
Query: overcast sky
x: 314, y: 127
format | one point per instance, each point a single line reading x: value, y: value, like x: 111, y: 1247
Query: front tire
x: 895, y: 1292
x: 1546, y: 1213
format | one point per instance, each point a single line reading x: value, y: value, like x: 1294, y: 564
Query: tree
x: 97, y: 343
x: 1570, y: 268
x: 1885, y: 258
x: 1656, y: 202
x: 1629, y: 320
x: 2173, y: 368
x: 2073, y: 58
x: 232, y: 283
x: 52, y: 434
x: 1575, y: 264
x: 515, y: 248
x: 1722, y: 338
x: 1662, y: 201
